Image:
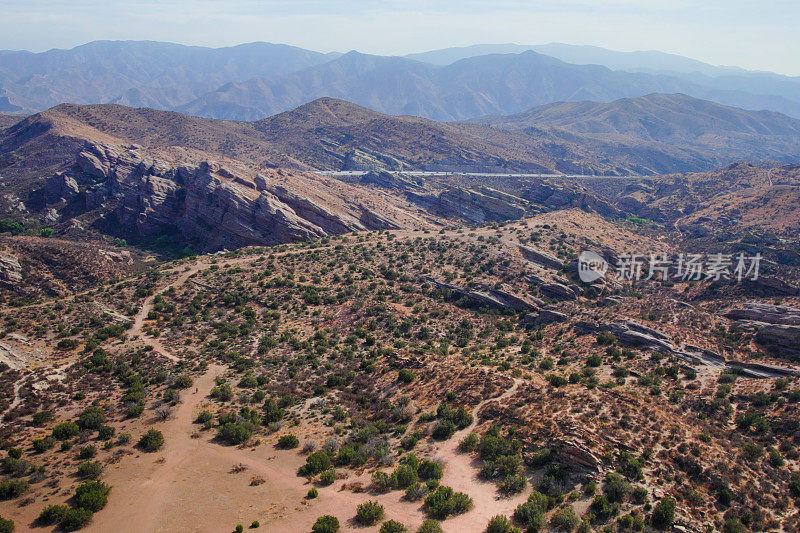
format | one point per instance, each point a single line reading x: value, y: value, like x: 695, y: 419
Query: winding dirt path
x: 461, y: 473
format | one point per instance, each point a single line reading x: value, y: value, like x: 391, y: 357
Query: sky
x: 760, y: 35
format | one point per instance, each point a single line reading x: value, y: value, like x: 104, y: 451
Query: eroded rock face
x: 487, y: 297
x: 776, y: 328
x: 557, y: 196
x: 10, y: 269
x: 630, y: 333
x: 206, y: 203
x: 541, y: 258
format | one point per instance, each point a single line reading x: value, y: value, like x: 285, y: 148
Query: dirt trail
x: 461, y: 473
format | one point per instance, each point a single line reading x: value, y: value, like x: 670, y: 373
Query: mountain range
x: 254, y: 81
x: 646, y: 135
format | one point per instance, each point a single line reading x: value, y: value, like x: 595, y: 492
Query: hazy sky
x: 753, y: 34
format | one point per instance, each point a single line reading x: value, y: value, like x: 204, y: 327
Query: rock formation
x: 207, y: 203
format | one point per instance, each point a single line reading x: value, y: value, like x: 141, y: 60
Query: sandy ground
x: 192, y: 485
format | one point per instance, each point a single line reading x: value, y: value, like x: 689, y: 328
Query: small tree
x: 369, y: 512
x: 326, y: 524
x: 152, y: 441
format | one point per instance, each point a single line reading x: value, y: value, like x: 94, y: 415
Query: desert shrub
x: 287, y: 442
x: 565, y: 519
x: 444, y: 430
x: 416, y: 491
x: 92, y: 495
x: 255, y: 524
x: 52, y: 514
x: 601, y: 507
x: 151, y: 441
x: 66, y: 430
x: 531, y: 513
x: 12, y: 489
x: 615, y: 487
x: 664, y: 513
x: 403, y: 476
x: 639, y: 495
x: 733, y: 525
x: 203, y: 417
x: 92, y: 417
x: 43, y: 444
x: 469, y: 442
x: 405, y: 376
x: 501, y: 524
x: 327, y: 477
x: 222, y: 392
x: 430, y: 526
x: 90, y: 470
x: 182, y: 382
x: 429, y: 470
x: 444, y: 502
x: 312, y: 493
x: 369, y: 512
x: 239, y: 528
x: 87, y: 452
x: 75, y: 519
x: 134, y: 411
x: 6, y: 526
x: 326, y: 524
x: 513, y: 484
x: 41, y: 418
x: 234, y: 434
x: 106, y: 432
x: 392, y: 526
x: 316, y: 463
x: 382, y: 481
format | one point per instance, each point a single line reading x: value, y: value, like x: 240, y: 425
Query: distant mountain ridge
x: 256, y: 80
x: 646, y: 135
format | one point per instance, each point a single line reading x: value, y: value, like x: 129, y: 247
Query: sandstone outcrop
x: 207, y: 202
x: 486, y: 297
x: 542, y: 258
x: 776, y: 328
x: 10, y: 269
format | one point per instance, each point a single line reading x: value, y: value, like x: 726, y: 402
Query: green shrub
x: 444, y: 430
x: 87, y: 452
x: 234, y: 434
x: 513, y: 484
x: 312, y: 493
x: 327, y: 477
x: 239, y: 528
x: 430, y: 526
x: 203, y: 417
x: 6, y: 526
x: 12, y: 489
x: 369, y: 512
x: 392, y: 526
x: 92, y: 495
x: 316, y: 463
x: 404, y: 476
x: 565, y: 519
x: 41, y: 418
x: 66, y: 430
x: 444, y: 502
x: 405, y: 376
x: 105, y: 432
x: 287, y: 442
x: 151, y: 441
x: 256, y: 524
x: 90, y: 470
x: 429, y: 470
x: 501, y: 524
x: 615, y: 487
x: 43, y: 444
x: 664, y: 513
x: 75, y: 519
x: 182, y: 382
x: 52, y: 514
x: 469, y: 442
x: 91, y: 418
x: 326, y: 524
